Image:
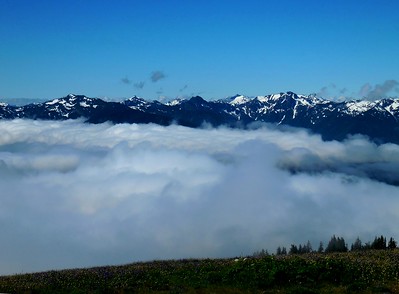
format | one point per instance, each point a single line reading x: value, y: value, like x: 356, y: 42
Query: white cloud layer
x: 78, y: 195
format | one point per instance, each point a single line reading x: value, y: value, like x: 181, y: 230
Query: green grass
x: 373, y: 271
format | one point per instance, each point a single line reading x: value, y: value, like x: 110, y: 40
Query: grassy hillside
x: 372, y: 271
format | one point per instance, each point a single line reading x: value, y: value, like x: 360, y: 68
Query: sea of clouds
x: 79, y: 195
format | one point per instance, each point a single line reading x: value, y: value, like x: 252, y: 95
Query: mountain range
x: 379, y: 120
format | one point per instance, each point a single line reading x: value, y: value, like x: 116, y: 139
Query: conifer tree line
x: 336, y: 244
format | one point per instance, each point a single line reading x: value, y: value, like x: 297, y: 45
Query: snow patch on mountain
x: 239, y: 100
x: 394, y: 106
x: 174, y: 102
x: 262, y: 98
x: 55, y: 101
x: 359, y: 106
x: 84, y: 104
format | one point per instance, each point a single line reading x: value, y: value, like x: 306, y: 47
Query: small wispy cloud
x: 126, y: 81
x: 365, y: 90
x: 157, y: 75
x: 323, y: 92
x: 184, y: 88
x: 332, y: 92
x: 139, y: 85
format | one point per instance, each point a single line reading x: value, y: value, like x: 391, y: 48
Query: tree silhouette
x: 294, y: 249
x: 357, y: 246
x: 392, y: 244
x: 379, y: 243
x: 336, y: 245
x: 321, y: 248
x: 281, y: 251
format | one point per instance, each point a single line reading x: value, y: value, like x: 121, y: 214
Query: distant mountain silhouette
x: 379, y: 120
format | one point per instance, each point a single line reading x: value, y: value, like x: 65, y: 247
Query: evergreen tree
x: 293, y: 249
x: 261, y: 253
x: 332, y: 245
x: 392, y: 244
x: 321, y: 248
x: 367, y: 246
x: 379, y: 243
x: 308, y: 247
x: 357, y: 246
x: 336, y: 245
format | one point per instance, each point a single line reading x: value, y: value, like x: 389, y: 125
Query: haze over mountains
x: 379, y: 120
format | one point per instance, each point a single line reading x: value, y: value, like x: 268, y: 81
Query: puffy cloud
x: 75, y: 194
x: 379, y: 91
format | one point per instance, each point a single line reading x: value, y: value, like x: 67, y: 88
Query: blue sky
x: 168, y: 49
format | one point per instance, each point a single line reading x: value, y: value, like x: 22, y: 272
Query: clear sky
x: 165, y: 49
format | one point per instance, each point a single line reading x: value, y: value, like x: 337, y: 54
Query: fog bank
x: 79, y: 195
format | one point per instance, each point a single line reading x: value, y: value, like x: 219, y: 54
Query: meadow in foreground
x: 371, y: 271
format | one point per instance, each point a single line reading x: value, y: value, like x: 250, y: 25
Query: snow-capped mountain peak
x: 70, y: 96
x: 333, y: 120
x: 174, y: 102
x: 239, y: 99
